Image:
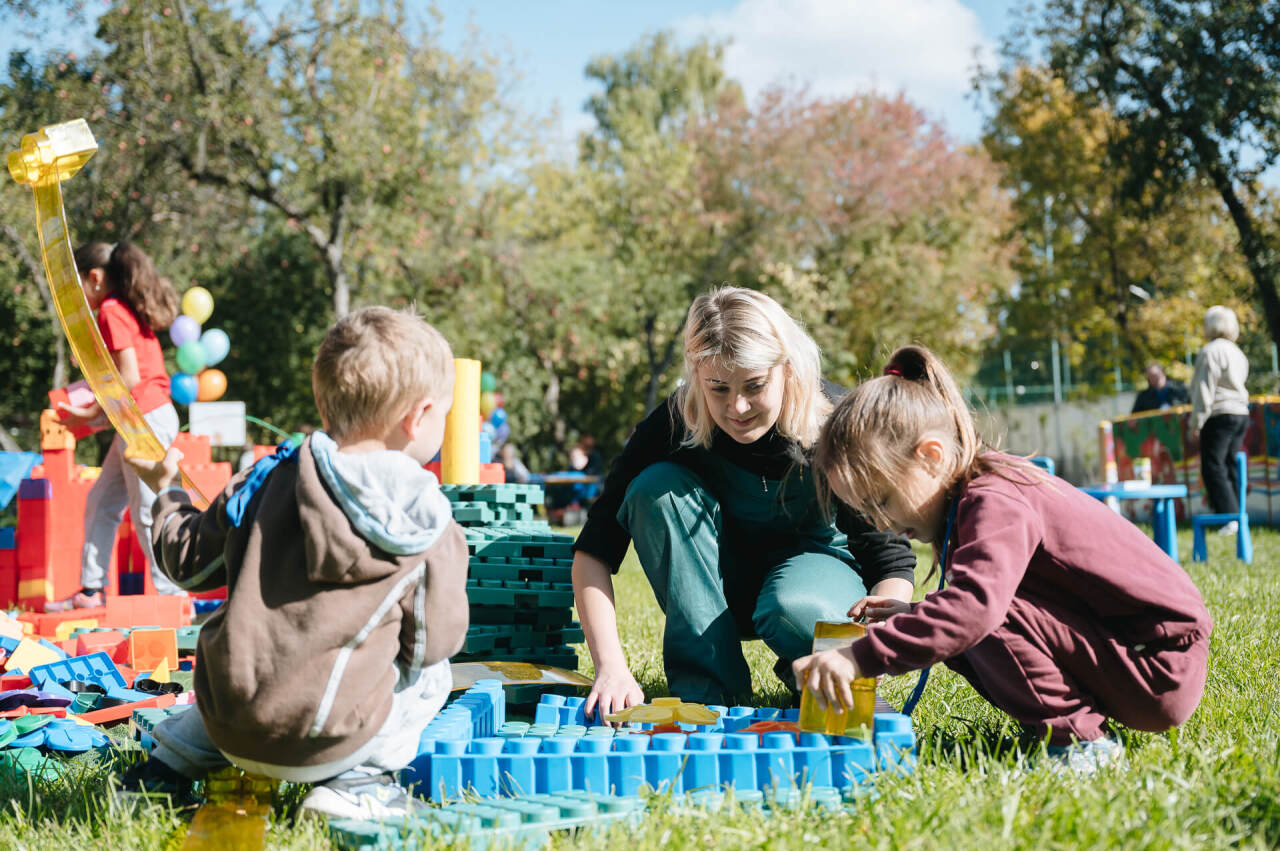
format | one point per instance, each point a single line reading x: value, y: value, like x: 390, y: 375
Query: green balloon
x: 192, y: 357
x: 488, y: 383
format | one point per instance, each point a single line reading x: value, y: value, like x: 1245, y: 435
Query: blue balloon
x: 184, y: 388
x: 216, y: 345
x: 487, y: 430
x: 498, y: 417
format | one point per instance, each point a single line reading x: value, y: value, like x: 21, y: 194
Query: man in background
x: 1162, y: 392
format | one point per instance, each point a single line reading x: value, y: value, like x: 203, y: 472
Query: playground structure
x: 1165, y: 438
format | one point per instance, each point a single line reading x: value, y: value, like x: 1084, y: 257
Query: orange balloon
x: 213, y: 383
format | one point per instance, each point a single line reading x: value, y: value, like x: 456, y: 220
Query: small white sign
x: 222, y: 422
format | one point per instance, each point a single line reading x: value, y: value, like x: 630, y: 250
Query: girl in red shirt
x: 1058, y: 611
x: 133, y: 302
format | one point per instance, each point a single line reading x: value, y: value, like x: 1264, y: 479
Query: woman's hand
x: 828, y: 675
x: 876, y: 609
x: 78, y: 415
x: 614, y: 690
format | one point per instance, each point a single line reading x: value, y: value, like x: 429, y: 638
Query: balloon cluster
x: 493, y: 417
x: 197, y: 351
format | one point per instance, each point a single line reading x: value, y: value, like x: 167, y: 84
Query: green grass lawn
x: 1213, y: 783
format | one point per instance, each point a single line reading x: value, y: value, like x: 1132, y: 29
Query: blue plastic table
x: 1164, y: 519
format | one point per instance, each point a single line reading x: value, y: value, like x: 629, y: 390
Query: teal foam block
x: 525, y: 822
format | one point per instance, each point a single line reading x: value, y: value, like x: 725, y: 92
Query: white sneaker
x: 1085, y: 758
x: 1230, y: 529
x: 358, y: 794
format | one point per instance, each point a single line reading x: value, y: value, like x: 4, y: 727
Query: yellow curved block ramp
x: 45, y: 159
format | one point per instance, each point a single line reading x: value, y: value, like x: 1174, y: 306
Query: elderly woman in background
x: 1220, y: 410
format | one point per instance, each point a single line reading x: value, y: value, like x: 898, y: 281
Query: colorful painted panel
x: 1164, y: 437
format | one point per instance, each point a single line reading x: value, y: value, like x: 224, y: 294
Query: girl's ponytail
x: 918, y: 364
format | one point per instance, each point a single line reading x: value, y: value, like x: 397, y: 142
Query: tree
x: 1197, y: 86
x: 848, y: 209
x: 642, y: 160
x: 1095, y: 266
x: 335, y: 117
x: 127, y: 191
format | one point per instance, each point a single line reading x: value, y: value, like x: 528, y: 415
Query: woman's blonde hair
x: 1221, y: 321
x: 870, y: 439
x: 733, y: 327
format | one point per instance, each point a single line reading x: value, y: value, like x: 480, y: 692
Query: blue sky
x: 925, y: 48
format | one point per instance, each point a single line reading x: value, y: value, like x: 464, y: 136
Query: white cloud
x: 924, y: 48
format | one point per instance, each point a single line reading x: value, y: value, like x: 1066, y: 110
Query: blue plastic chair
x: 1244, y: 540
x: 1044, y: 462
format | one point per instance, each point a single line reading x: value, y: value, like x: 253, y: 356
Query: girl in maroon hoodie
x: 1057, y: 610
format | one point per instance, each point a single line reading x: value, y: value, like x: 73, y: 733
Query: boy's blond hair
x: 373, y: 366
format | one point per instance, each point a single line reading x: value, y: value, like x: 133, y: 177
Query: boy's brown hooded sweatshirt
x: 344, y: 573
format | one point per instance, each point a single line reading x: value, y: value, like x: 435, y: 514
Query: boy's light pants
x: 184, y: 745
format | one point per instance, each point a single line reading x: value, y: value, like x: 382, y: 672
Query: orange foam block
x: 119, y: 713
x: 113, y: 643
x: 46, y: 624
x: 149, y: 647
x: 158, y: 610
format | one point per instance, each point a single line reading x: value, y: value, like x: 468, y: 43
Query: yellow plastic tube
x: 460, y: 458
x: 45, y: 159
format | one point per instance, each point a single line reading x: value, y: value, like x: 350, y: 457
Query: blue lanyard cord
x: 910, y: 705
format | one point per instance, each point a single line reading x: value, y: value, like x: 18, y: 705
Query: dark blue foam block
x: 35, y: 489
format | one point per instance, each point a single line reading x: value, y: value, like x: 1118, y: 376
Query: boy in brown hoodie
x: 347, y: 583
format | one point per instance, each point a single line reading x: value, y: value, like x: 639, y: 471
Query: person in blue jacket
x: 715, y: 491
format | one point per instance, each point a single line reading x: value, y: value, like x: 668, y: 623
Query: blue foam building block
x: 93, y: 668
x: 895, y: 742
x: 516, y: 822
x: 550, y: 756
x: 626, y: 763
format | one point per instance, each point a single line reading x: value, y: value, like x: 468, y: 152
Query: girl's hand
x: 157, y: 475
x: 79, y: 415
x: 613, y: 691
x: 828, y: 675
x: 877, y: 608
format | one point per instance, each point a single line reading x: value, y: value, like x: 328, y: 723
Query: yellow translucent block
x: 467, y: 674
x: 857, y: 720
x: 665, y: 710
x: 54, y: 153
x: 43, y: 161
x: 235, y: 811
x: 460, y: 456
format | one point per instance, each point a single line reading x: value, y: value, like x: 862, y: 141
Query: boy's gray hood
x: 392, y: 503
